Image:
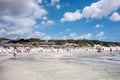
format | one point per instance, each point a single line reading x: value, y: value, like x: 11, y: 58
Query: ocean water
x: 75, y: 67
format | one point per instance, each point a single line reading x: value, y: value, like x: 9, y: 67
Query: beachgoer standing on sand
x: 14, y: 52
x: 110, y: 49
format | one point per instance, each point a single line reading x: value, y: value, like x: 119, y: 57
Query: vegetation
x: 34, y: 40
x: 1, y: 39
x: 79, y: 43
x: 84, y: 42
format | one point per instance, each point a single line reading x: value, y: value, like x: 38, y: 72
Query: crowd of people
x: 15, y: 50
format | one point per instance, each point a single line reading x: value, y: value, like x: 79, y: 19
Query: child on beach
x: 14, y: 52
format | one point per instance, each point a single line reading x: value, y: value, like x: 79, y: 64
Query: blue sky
x: 60, y: 19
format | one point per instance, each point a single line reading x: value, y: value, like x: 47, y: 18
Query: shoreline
x: 51, y: 54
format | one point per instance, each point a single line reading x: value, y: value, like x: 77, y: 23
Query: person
x: 110, y: 49
x: 99, y: 50
x: 14, y: 52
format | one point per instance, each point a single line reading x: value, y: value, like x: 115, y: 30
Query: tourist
x: 14, y: 52
x: 110, y: 49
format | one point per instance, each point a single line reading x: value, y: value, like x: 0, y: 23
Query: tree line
x: 79, y: 43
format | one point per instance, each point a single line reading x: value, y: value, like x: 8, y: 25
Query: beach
x: 60, y: 66
x: 59, y: 39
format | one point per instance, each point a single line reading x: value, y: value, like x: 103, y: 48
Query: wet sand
x: 57, y: 66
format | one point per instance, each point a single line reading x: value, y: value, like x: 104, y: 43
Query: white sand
x: 59, y: 66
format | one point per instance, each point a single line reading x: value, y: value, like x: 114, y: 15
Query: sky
x: 60, y: 19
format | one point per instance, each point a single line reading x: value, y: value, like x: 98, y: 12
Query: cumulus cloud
x: 100, y: 9
x: 97, y: 10
x: 37, y: 34
x: 83, y: 36
x: 21, y: 7
x: 54, y: 2
x: 47, y: 23
x: 18, y: 17
x: 72, y: 16
x: 16, y: 26
x: 86, y: 36
x: 98, y: 26
x: 45, y: 18
x: 50, y: 22
x: 47, y: 37
x: 100, y: 35
x: 16, y: 30
x: 115, y: 17
x: 39, y: 1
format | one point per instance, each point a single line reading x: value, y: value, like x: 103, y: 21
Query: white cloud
x: 43, y: 22
x: 21, y: 7
x: 47, y: 23
x: 86, y: 36
x: 24, y: 22
x: 40, y: 1
x: 45, y: 18
x: 69, y: 16
x: 47, y: 37
x: 7, y: 18
x: 2, y: 25
x: 58, y: 7
x: 72, y: 34
x: 115, y: 17
x: 83, y: 36
x: 54, y: 2
x: 64, y: 37
x: 50, y: 22
x: 36, y: 34
x: 98, y: 26
x: 97, y: 10
x: 100, y: 35
x: 20, y: 26
x: 2, y: 32
x: 100, y: 9
x: 67, y: 30
x: 19, y: 17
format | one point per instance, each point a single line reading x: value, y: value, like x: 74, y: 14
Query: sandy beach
x: 60, y: 66
x: 59, y: 39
